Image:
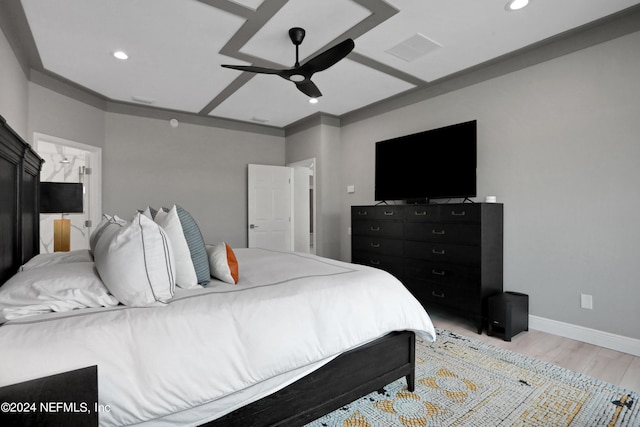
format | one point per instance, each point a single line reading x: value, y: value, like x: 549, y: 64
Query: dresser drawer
x: 469, y: 234
x: 376, y: 212
x: 421, y: 213
x: 452, y: 296
x: 448, y: 274
x: 376, y: 245
x: 388, y: 263
x: 441, y: 252
x: 362, y: 212
x: 377, y: 228
x: 461, y: 213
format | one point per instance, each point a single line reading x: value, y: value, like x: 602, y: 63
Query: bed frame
x: 348, y: 377
x: 19, y: 201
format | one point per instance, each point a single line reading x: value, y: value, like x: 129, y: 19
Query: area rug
x: 465, y: 382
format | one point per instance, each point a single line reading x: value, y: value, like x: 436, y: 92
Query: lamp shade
x: 61, y: 197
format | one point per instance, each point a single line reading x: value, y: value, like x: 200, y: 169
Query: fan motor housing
x: 296, y: 34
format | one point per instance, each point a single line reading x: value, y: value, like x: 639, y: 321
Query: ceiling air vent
x: 143, y: 100
x: 414, y: 47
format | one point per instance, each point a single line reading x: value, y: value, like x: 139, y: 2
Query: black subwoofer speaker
x: 508, y: 312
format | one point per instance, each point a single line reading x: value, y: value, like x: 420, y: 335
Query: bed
x: 296, y: 337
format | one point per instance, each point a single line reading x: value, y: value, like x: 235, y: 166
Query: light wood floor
x: 608, y: 365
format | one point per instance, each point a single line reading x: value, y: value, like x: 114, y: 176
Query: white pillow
x: 135, y: 262
x: 61, y: 287
x: 42, y: 260
x: 100, y: 229
x: 95, y: 234
x: 185, y: 271
x: 149, y: 212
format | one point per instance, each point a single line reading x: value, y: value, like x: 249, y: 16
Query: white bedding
x: 210, y: 350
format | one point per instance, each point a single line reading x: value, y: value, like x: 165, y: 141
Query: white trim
x: 592, y: 336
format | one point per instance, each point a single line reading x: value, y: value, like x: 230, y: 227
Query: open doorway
x: 70, y: 161
x: 304, y: 205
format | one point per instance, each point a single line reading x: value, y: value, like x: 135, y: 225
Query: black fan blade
x: 309, y: 88
x: 327, y: 58
x: 252, y: 69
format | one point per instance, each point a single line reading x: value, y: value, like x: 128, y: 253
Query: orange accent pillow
x: 233, y: 263
x: 223, y: 263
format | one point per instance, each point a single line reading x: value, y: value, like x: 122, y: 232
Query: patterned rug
x: 465, y: 382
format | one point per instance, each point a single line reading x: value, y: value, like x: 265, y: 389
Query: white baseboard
x: 591, y: 336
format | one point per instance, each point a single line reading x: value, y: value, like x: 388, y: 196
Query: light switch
x: 351, y: 188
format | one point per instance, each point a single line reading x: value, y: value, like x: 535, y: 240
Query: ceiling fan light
x: 296, y: 78
x: 313, y: 100
x: 120, y: 55
x: 516, y: 4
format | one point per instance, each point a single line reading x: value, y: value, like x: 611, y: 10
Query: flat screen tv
x: 60, y: 197
x: 434, y: 164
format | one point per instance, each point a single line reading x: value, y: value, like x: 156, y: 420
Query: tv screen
x: 60, y: 197
x: 438, y: 163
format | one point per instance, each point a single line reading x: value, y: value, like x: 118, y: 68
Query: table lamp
x: 63, y: 198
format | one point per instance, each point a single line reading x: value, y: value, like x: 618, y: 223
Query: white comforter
x: 289, y: 314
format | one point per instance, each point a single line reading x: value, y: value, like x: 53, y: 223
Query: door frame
x: 311, y: 164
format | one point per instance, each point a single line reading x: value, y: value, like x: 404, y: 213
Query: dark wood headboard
x: 19, y: 201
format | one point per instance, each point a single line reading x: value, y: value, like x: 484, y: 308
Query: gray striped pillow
x: 195, y: 241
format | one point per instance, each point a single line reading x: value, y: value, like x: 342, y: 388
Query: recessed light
x: 516, y: 4
x: 313, y: 100
x: 120, y: 55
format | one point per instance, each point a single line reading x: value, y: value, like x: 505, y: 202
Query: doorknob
x: 252, y: 226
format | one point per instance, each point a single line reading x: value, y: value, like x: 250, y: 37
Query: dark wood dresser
x: 448, y: 255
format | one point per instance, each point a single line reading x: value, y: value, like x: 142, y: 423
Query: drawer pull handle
x: 362, y: 213
x: 420, y: 213
x: 461, y: 213
x: 375, y: 245
x: 438, y: 272
x: 374, y: 262
x: 437, y: 294
x: 438, y: 232
x: 389, y: 213
x: 438, y: 251
x: 375, y: 228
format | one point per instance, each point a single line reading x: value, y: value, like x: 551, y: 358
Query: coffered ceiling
x: 175, y: 48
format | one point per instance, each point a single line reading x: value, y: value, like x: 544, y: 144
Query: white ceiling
x: 175, y: 48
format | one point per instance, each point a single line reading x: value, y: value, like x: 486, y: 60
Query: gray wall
x: 13, y: 89
x: 201, y: 168
x: 147, y: 162
x: 559, y: 145
x: 57, y: 115
x: 322, y: 142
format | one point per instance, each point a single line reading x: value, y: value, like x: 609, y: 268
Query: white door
x: 270, y: 207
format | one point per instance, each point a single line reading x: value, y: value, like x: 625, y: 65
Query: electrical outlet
x: 586, y: 301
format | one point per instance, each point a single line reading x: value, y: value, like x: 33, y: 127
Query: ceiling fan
x: 301, y: 74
